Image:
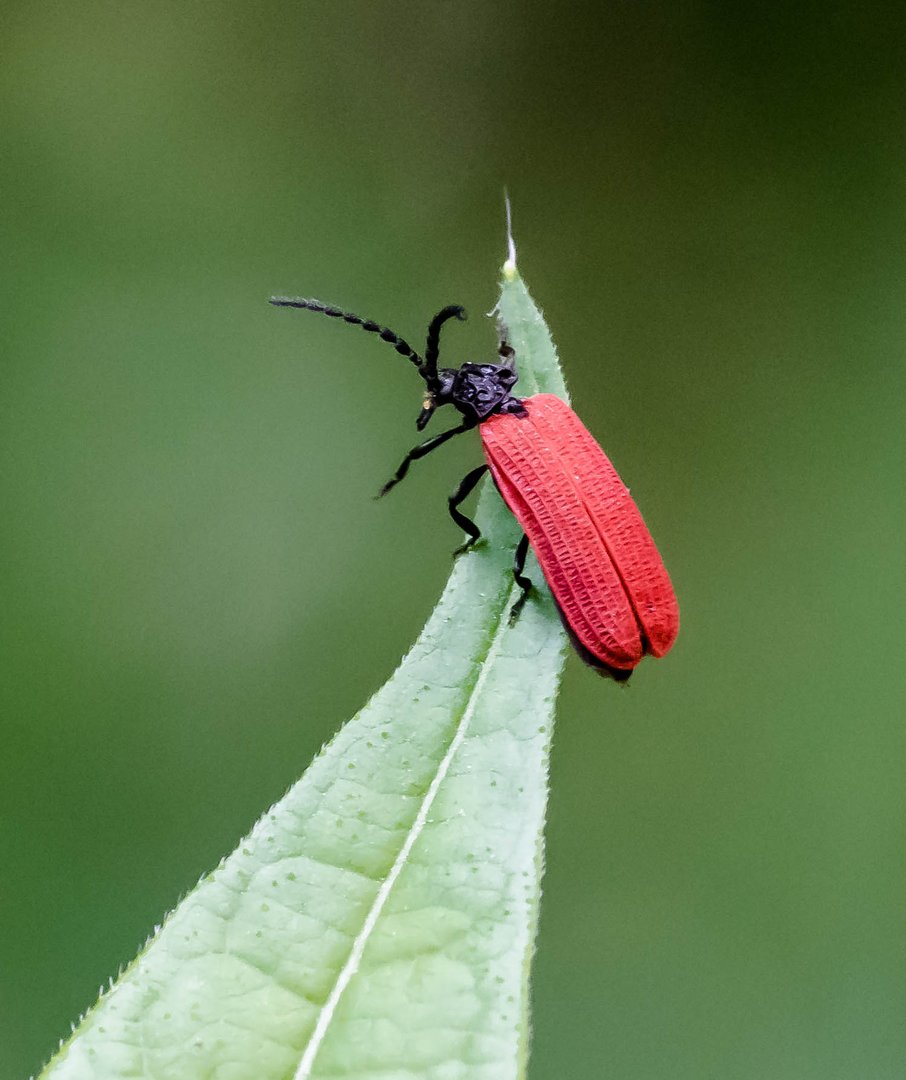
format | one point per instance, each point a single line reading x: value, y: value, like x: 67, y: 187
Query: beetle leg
x: 521, y: 580
x: 466, y: 485
x: 419, y: 452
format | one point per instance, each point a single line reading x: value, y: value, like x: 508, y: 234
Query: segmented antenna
x: 384, y: 333
x: 428, y: 370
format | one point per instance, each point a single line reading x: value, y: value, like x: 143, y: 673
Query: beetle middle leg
x: 419, y: 452
x: 521, y: 580
x: 465, y: 488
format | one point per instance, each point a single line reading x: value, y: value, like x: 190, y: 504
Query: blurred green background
x: 710, y: 204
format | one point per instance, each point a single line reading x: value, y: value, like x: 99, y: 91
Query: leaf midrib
x: 351, y: 965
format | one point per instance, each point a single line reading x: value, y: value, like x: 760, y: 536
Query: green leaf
x: 379, y: 920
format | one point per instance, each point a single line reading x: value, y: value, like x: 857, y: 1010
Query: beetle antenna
x: 428, y: 370
x: 385, y: 334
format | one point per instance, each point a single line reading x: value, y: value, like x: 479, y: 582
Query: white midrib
x: 329, y: 1008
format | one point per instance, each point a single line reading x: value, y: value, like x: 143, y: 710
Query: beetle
x: 594, y: 549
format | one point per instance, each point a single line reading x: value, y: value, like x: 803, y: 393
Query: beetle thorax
x: 478, y: 390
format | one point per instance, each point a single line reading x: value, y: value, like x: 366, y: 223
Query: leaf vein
x: 421, y: 819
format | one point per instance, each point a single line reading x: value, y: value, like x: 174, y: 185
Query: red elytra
x: 591, y: 542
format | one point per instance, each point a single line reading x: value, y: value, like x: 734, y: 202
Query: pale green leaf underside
x: 379, y: 920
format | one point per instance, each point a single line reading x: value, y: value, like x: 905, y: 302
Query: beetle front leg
x: 419, y: 452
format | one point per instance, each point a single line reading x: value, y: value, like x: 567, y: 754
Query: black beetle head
x: 475, y: 390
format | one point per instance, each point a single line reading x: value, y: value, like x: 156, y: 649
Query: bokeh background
x: 710, y: 204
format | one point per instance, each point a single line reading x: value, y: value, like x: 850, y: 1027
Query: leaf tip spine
x: 509, y: 267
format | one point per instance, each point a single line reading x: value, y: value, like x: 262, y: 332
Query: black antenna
x: 428, y: 370
x: 385, y: 334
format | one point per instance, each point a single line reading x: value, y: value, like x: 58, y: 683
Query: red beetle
x: 592, y: 545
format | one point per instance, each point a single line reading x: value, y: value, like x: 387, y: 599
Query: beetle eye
x: 505, y: 373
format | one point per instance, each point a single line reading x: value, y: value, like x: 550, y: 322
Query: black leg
x: 419, y: 452
x: 466, y: 486
x: 521, y: 580
x: 506, y: 352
